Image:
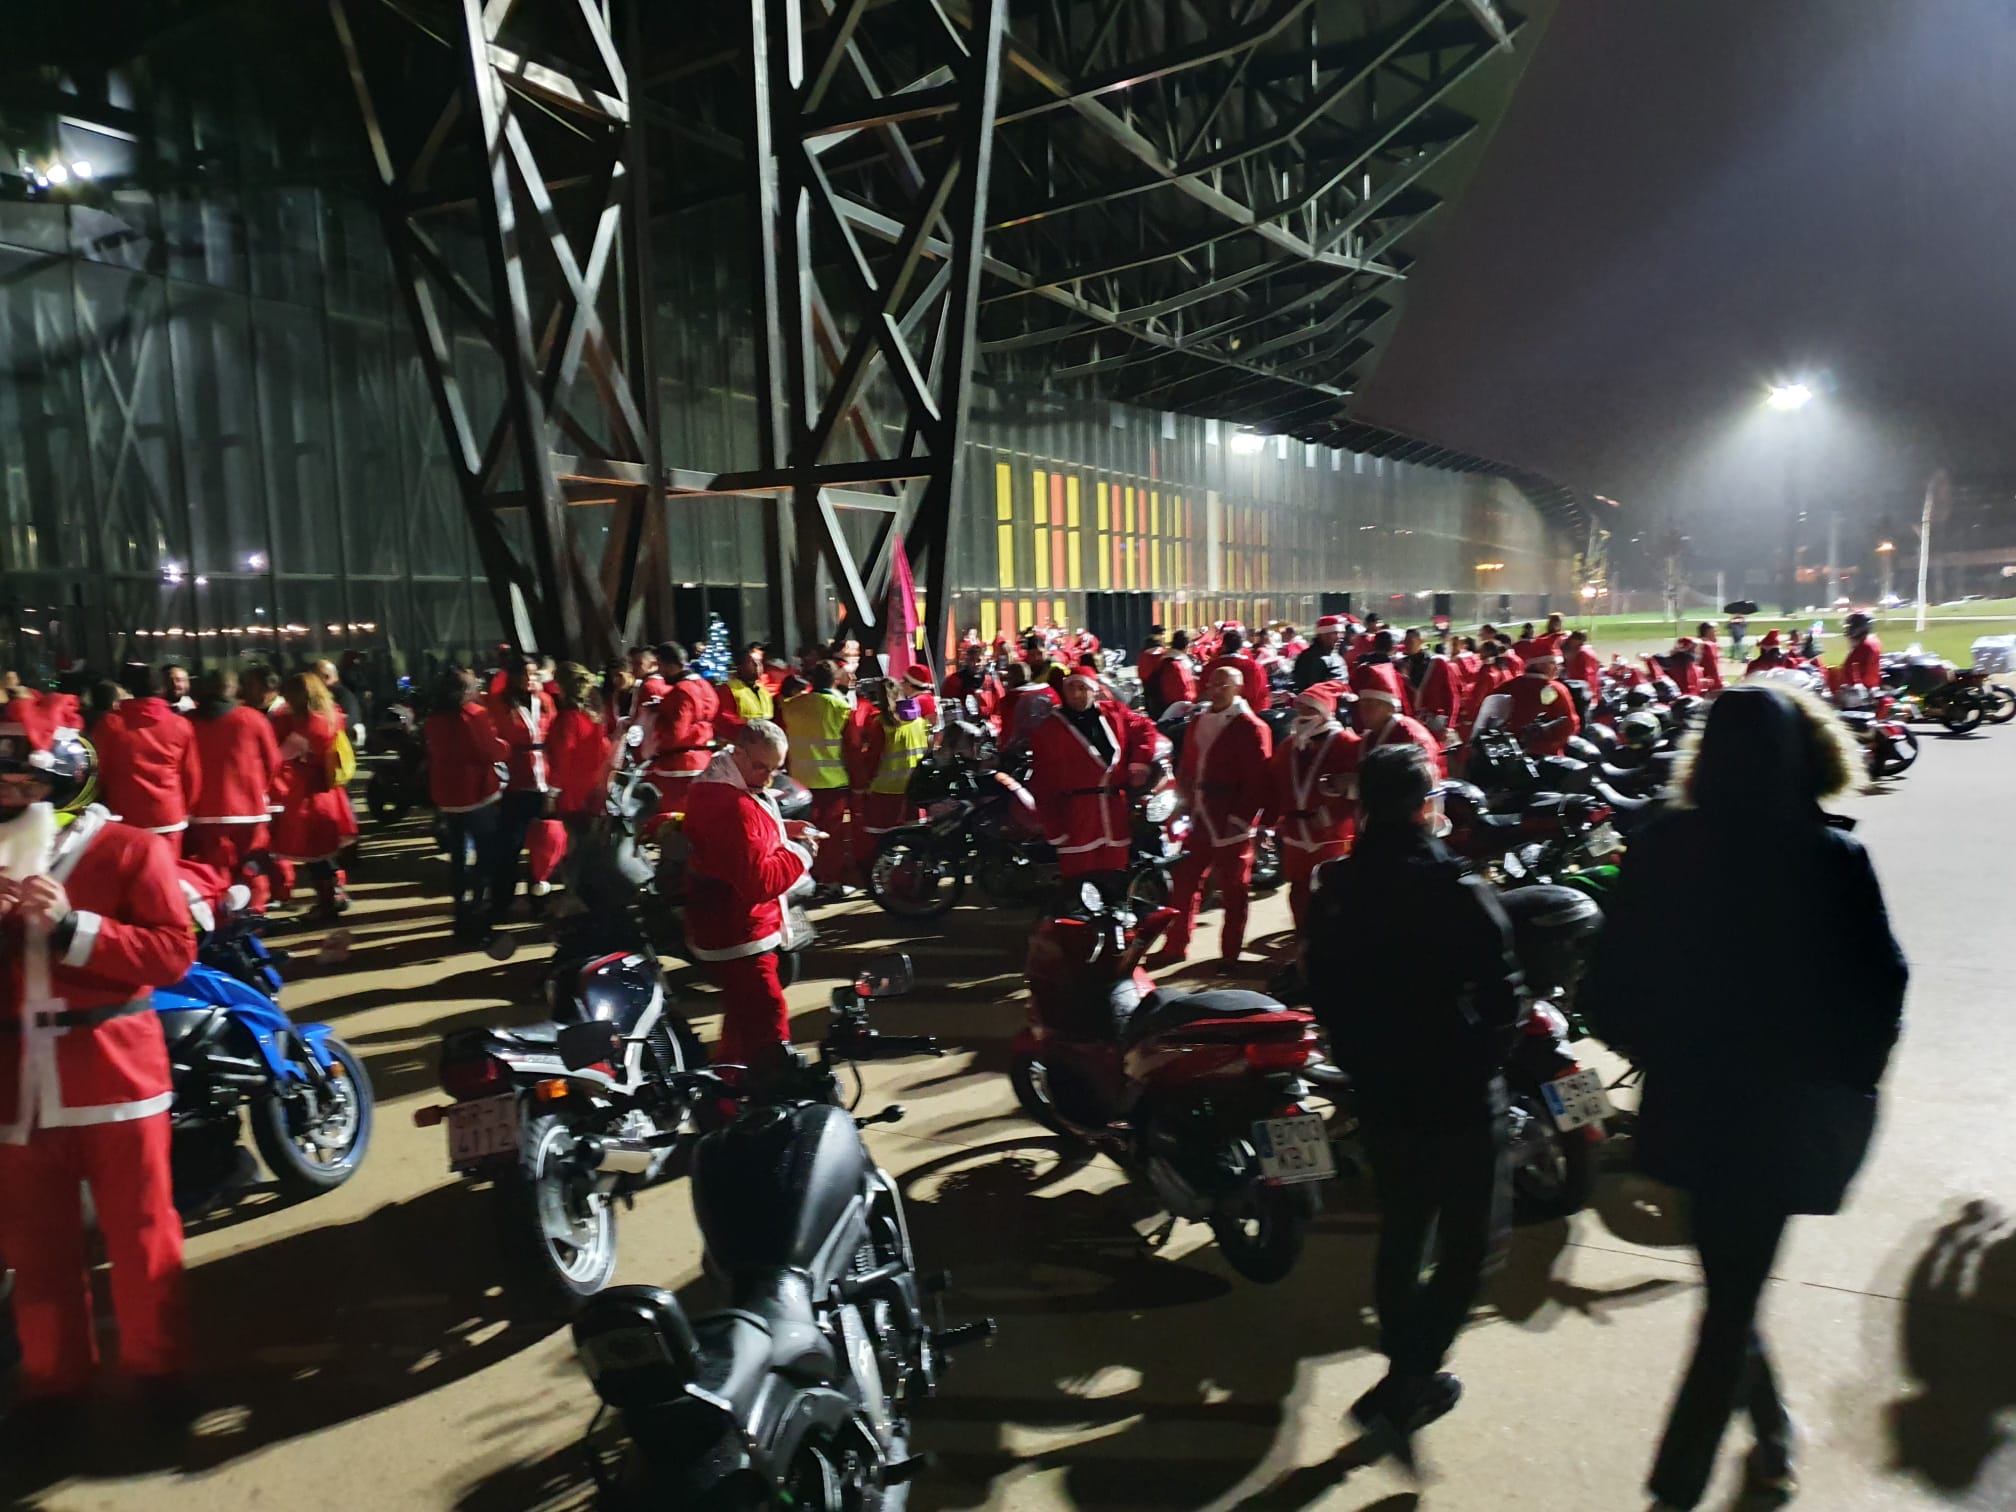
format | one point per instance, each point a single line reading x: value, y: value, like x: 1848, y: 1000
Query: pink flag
x: 899, y: 649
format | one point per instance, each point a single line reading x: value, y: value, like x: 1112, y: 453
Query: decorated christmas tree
x: 716, y: 658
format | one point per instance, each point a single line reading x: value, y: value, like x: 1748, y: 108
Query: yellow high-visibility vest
x: 815, y: 722
x: 903, y: 746
x: 752, y: 703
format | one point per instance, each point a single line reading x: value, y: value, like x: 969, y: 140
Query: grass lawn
x: 1950, y: 630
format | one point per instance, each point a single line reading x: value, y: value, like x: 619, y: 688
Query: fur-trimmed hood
x: 1837, y: 770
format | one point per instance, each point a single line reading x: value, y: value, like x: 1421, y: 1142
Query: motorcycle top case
x: 770, y: 1188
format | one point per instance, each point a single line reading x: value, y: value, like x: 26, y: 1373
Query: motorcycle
x: 398, y: 782
x: 800, y: 1393
x: 1536, y: 835
x: 1960, y: 698
x: 1199, y: 1098
x: 234, y: 1055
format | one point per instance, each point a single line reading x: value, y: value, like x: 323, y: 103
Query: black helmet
x: 1554, y: 932
x: 1859, y: 621
x: 66, y: 762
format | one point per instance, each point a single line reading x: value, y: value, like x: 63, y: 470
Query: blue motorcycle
x: 233, y: 1050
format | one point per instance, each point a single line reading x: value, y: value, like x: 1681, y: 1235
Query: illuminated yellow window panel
x: 1004, y: 550
x: 990, y: 622
x: 1039, y: 495
x: 1004, y: 491
x: 1071, y: 501
x: 1028, y: 620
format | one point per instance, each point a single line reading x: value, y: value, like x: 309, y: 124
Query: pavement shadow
x: 1959, y: 1348
x: 315, y: 1329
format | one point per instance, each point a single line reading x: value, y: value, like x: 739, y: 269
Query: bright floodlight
x: 82, y: 168
x: 58, y: 174
x: 1248, y: 442
x: 1789, y: 396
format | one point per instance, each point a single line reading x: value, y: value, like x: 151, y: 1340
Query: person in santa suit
x: 1539, y: 710
x: 578, y: 757
x: 1252, y: 677
x: 1682, y: 664
x: 464, y: 755
x: 1710, y: 652
x: 1771, y: 654
x: 1311, y: 806
x: 174, y: 685
x: 1438, y: 697
x: 1377, y: 669
x: 149, y: 771
x: 1522, y: 647
x: 1580, y: 664
x: 1381, y: 723
x: 1024, y: 704
x: 974, y: 679
x: 1151, y: 655
x: 917, y: 688
x: 1173, y: 681
x: 679, y: 731
x: 1322, y: 661
x: 1223, y: 779
x: 240, y: 762
x: 1493, y: 672
x: 1088, y: 755
x: 92, y: 919
x: 523, y: 721
x: 1548, y: 641
x: 1468, y: 663
x: 1862, y: 667
x: 316, y: 821
x: 745, y: 858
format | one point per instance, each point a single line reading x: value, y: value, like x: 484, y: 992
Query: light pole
x: 1887, y: 550
x: 1787, y: 399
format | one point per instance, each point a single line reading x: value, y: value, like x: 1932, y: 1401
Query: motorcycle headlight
x: 1160, y: 806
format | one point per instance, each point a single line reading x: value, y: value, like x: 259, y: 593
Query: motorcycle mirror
x: 1090, y: 896
x: 586, y: 1044
x: 634, y: 736
x: 500, y: 946
x: 885, y: 976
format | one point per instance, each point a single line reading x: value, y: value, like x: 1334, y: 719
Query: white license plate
x: 1294, y: 1149
x: 1577, y: 1100
x: 1604, y: 841
x: 482, y: 1129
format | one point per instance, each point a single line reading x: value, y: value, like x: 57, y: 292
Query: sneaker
x: 1433, y: 1398
x: 1369, y: 1411
x: 1769, y: 1471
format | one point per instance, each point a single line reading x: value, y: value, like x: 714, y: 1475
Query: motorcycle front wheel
x: 1553, y: 1174
x: 385, y: 797
x: 1902, y: 752
x: 2003, y: 708
x: 1031, y: 1082
x: 914, y: 880
x: 1962, y: 716
x: 557, y: 1231
x: 313, y: 1141
x: 1260, y: 1229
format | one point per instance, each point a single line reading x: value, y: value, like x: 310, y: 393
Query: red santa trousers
x: 1231, y: 867
x: 545, y: 844
x: 1299, y: 865
x: 831, y: 813
x: 754, y: 1018
x: 237, y: 848
x: 42, y: 1237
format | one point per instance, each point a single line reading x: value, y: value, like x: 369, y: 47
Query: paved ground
x: 360, y: 1353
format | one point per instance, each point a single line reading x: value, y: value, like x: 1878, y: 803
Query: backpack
x: 342, y: 761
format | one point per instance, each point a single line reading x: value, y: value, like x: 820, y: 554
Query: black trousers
x: 1444, y: 1196
x: 1738, y: 1238
x: 515, y: 813
x: 472, y: 858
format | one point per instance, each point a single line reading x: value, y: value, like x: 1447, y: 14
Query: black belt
x: 1091, y: 792
x: 81, y: 1018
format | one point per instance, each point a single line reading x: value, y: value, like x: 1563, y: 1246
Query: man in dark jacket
x: 1322, y: 660
x: 1420, y: 1017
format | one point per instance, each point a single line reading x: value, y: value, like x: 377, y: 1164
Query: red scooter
x: 1199, y: 1098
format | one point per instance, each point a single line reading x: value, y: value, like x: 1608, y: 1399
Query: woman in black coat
x: 1762, y: 1054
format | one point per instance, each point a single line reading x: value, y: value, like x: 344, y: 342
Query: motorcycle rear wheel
x: 1554, y: 1174
x: 1261, y: 1229
x: 1032, y: 1090
x: 913, y: 881
x: 1962, y: 717
x: 384, y: 797
x: 558, y: 1234
x: 306, y: 1159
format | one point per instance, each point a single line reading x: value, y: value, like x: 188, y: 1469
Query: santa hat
x: 1330, y: 622
x: 1379, y: 690
x: 1685, y: 643
x: 1323, y: 697
x: 1087, y: 676
x: 917, y: 675
x: 1772, y: 641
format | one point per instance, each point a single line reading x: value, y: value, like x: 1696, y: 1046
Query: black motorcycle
x: 1929, y: 687
x: 800, y: 1393
x: 398, y: 780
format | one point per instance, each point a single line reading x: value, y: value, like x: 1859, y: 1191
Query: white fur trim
x: 85, y: 940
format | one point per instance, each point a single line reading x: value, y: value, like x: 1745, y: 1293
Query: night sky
x: 1690, y: 198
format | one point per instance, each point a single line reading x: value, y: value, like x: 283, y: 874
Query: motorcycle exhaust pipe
x: 623, y: 1157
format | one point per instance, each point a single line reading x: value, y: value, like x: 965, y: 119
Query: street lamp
x: 1786, y: 399
x: 1789, y: 396
x: 1888, y: 551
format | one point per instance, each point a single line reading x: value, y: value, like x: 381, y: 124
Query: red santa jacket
x: 240, y: 760
x: 1299, y: 810
x: 1081, y: 796
x: 463, y: 751
x: 79, y: 1042
x: 1174, y: 682
x: 1862, y: 667
x: 1441, y: 697
x: 577, y: 760
x: 1582, y: 665
x: 1711, y: 666
x: 1489, y: 679
x: 1383, y: 674
x: 1467, y: 664
x: 1536, y: 699
x: 522, y: 728
x: 1145, y: 664
x: 1401, y: 728
x: 1547, y: 643
x: 682, y: 727
x: 1253, y: 680
x: 740, y: 868
x: 1017, y: 722
x: 1223, y: 775
x: 1514, y: 660
x: 148, y: 771
x: 983, y: 687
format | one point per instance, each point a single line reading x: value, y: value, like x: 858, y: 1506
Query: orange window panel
x: 1058, y: 573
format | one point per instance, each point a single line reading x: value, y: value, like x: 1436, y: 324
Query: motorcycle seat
x: 1623, y: 803
x: 531, y: 1034
x: 774, y: 1328
x: 1161, y: 1012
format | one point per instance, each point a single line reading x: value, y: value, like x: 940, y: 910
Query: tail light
x: 1280, y: 1055
x: 475, y: 1076
x: 1600, y: 814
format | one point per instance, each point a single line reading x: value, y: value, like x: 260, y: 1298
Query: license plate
x: 1604, y: 841
x: 483, y: 1129
x: 1577, y: 1100
x: 1294, y: 1149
